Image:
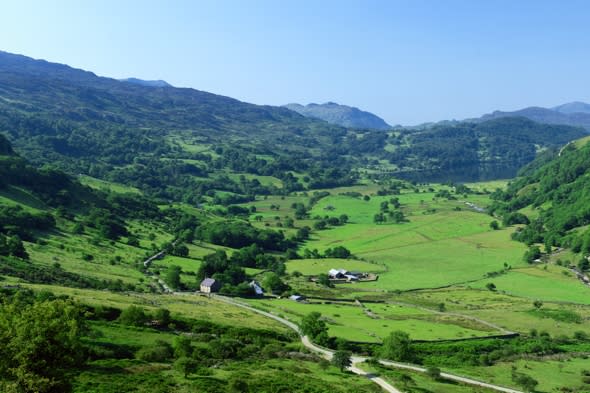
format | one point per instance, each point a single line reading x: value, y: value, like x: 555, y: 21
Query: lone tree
x: 186, y: 365
x: 324, y: 280
x: 527, y: 382
x: 397, y: 346
x: 342, y: 360
x: 312, y: 325
x: 434, y: 373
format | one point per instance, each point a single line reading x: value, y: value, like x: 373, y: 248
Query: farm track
x: 327, y: 354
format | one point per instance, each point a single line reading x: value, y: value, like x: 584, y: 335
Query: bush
x: 160, y: 352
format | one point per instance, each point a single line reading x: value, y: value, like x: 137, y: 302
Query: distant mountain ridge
x: 142, y: 82
x: 572, y: 114
x: 342, y: 115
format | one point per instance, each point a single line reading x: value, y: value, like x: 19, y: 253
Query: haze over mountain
x: 573, y: 114
x: 342, y: 115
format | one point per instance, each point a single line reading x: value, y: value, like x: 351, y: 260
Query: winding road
x: 327, y: 354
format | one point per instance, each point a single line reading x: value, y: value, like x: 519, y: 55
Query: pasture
x: 553, y: 284
x: 439, y: 246
x: 375, y: 321
x: 553, y: 375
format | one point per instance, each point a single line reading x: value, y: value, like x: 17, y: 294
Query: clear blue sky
x: 407, y: 61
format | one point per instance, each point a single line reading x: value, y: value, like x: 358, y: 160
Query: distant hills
x: 156, y: 83
x: 572, y: 114
x: 343, y: 115
x: 181, y: 143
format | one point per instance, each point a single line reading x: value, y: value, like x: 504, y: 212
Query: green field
x: 537, y: 283
x: 434, y: 249
x: 553, y: 375
x: 106, y: 185
x: 351, y: 322
x: 419, y: 382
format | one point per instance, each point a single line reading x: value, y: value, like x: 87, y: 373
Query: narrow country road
x: 327, y: 354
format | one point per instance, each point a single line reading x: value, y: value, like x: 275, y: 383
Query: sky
x: 409, y: 61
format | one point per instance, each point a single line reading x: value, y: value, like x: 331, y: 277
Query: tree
x: 538, y: 304
x: 162, y: 315
x: 337, y: 252
x: 182, y: 346
x: 494, y: 225
x: 527, y: 382
x: 397, y: 216
x: 532, y: 254
x: 133, y: 315
x: 273, y: 283
x: 397, y: 346
x: 324, y: 280
x: 186, y: 365
x: 491, y: 286
x: 312, y: 325
x: 173, y: 277
x: 433, y: 372
x: 378, y: 218
x: 342, y: 359
x: 39, y: 343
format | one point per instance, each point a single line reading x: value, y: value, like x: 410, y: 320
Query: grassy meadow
x: 375, y: 321
x: 439, y: 246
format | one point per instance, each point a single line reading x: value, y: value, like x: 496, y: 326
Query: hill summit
x: 343, y: 115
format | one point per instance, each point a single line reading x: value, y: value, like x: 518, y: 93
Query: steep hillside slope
x: 559, y: 194
x: 158, y: 138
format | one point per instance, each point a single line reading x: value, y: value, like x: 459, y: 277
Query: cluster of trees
x: 335, y: 252
x: 14, y: 220
x: 40, y: 343
x: 323, y: 223
x: 387, y: 214
x: 238, y: 234
x: 107, y: 223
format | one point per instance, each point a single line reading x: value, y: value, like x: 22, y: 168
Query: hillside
x: 576, y: 114
x: 342, y: 115
x: 179, y: 144
x: 557, y: 191
x: 163, y: 140
x: 475, y: 151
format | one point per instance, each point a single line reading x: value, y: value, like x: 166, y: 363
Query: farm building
x: 343, y: 274
x: 257, y: 288
x: 297, y: 298
x: 337, y: 273
x: 209, y: 285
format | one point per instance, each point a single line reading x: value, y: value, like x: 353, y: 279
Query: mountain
x: 573, y: 107
x: 156, y: 83
x: 165, y: 141
x: 575, y: 114
x: 342, y: 115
